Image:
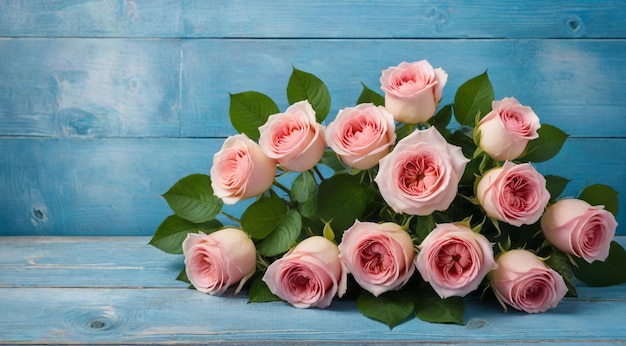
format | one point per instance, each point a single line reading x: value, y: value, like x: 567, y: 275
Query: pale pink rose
x: 379, y: 256
x: 309, y: 275
x: 294, y: 138
x: 505, y: 131
x: 413, y: 90
x: 524, y: 282
x: 515, y: 194
x: 240, y: 170
x: 361, y: 135
x: 454, y: 259
x: 218, y: 260
x: 421, y: 174
x: 577, y: 228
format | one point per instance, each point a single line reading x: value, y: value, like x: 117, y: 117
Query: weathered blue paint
x: 324, y: 18
x: 112, y: 290
x: 105, y: 104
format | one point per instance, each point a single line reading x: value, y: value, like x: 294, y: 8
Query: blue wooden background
x: 105, y: 104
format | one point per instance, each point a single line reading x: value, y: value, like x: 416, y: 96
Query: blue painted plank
x: 182, y: 316
x: 87, y: 262
x: 86, y: 290
x: 89, y: 87
x: 573, y: 84
x: 327, y: 18
x: 113, y: 186
x: 134, y: 88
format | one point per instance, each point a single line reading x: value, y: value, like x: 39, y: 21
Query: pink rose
x: 294, y: 138
x: 523, y: 281
x: 240, y: 170
x: 309, y: 275
x: 575, y: 227
x: 505, y: 131
x: 361, y: 135
x: 216, y: 261
x: 421, y: 174
x: 379, y: 256
x: 454, y: 259
x: 413, y: 90
x: 515, y: 194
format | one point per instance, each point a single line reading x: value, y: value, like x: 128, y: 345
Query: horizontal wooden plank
x: 97, y: 262
x: 94, y: 88
x: 181, y: 316
x: 136, y: 88
x: 328, y: 19
x: 126, y: 262
x: 50, y: 305
x: 573, y: 84
x: 74, y: 186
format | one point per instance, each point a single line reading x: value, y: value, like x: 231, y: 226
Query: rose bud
x: 454, y: 259
x: 294, y: 138
x: 309, y: 275
x: 413, y: 90
x: 218, y: 260
x: 379, y: 256
x: 513, y: 193
x: 524, y: 282
x: 505, y: 132
x: 575, y: 227
x: 421, y: 174
x: 240, y: 170
x: 361, y: 135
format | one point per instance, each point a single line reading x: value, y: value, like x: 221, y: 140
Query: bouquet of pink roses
x: 387, y: 206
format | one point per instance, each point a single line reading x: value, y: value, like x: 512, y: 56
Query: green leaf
x: 442, y: 119
x: 560, y: 262
x: 331, y: 160
x: 600, y: 194
x: 304, y: 191
x: 431, y: 308
x: 306, y: 86
x: 370, y: 96
x: 260, y: 293
x: 170, y: 235
x: 473, y: 97
x: 192, y: 199
x: 249, y: 110
x: 263, y: 216
x: 283, y: 237
x: 601, y: 274
x: 391, y: 308
x: 423, y: 226
x: 182, y: 276
x: 341, y: 200
x: 555, y: 185
x: 549, y: 143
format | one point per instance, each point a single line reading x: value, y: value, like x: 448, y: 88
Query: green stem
x: 409, y: 128
x: 281, y: 186
x: 318, y: 173
x: 231, y: 217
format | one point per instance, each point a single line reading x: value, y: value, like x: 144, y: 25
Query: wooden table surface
x: 119, y: 290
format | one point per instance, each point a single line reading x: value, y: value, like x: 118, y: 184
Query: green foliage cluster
x: 328, y: 199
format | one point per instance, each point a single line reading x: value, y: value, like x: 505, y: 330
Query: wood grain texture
x: 93, y: 88
x: 313, y: 19
x: 74, y: 298
x: 112, y: 186
x: 573, y: 84
x: 172, y: 88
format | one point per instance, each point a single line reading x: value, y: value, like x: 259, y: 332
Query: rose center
x: 362, y: 133
x: 517, y: 192
x: 375, y: 258
x: 453, y: 260
x: 419, y: 175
